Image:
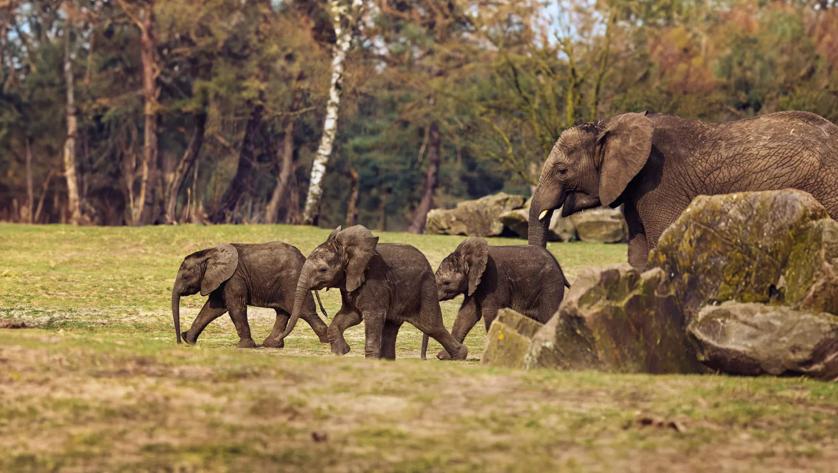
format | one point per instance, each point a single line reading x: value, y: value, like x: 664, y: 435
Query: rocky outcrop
x: 616, y: 319
x: 509, y: 339
x: 742, y: 283
x: 479, y: 217
x: 754, y: 339
x: 602, y: 225
x: 737, y: 247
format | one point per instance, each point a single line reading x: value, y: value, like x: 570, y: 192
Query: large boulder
x: 616, y: 319
x: 737, y: 246
x: 811, y: 274
x: 479, y: 217
x: 603, y: 225
x: 754, y: 339
x: 509, y: 338
x: 560, y: 229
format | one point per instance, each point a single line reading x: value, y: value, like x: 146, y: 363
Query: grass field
x: 100, y: 385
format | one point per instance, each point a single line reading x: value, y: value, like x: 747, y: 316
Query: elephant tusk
x: 543, y: 214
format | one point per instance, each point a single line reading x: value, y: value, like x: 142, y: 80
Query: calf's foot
x: 247, y: 343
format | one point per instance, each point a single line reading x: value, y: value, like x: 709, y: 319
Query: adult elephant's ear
x: 626, y: 143
x: 221, y: 264
x: 475, y: 255
x: 357, y: 245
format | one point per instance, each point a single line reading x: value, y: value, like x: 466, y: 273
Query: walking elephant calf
x: 237, y: 275
x: 383, y: 284
x: 524, y: 278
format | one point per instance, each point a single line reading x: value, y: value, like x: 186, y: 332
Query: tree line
x: 118, y: 112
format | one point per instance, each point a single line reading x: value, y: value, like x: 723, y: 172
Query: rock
x: 754, y: 339
x: 616, y: 319
x: 602, y: 225
x: 509, y: 339
x: 735, y: 246
x: 473, y: 217
x: 811, y: 274
x: 517, y: 222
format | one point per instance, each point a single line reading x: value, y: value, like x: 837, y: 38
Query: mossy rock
x: 509, y: 339
x: 755, y: 339
x: 616, y: 319
x: 811, y: 275
x: 734, y: 246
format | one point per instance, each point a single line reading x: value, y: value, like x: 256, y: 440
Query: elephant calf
x: 237, y: 275
x: 384, y: 285
x: 524, y: 278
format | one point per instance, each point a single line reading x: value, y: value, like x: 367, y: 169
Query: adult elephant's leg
x: 344, y: 319
x: 273, y: 340
x: 373, y: 332
x: 638, y: 248
x: 238, y: 313
x: 467, y: 317
x: 211, y: 310
x: 388, y: 339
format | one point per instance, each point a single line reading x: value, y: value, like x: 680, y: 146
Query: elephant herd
x: 652, y: 165
x: 381, y: 284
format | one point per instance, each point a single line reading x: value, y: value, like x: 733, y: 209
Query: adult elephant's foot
x: 273, y: 343
x: 340, y: 348
x: 443, y: 355
x: 247, y: 343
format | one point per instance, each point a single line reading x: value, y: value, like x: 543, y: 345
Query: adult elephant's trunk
x: 176, y: 311
x: 300, y: 295
x: 537, y: 228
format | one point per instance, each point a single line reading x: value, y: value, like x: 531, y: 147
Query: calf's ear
x: 221, y: 264
x: 474, y: 253
x: 357, y: 245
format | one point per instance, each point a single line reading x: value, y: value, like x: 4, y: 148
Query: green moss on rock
x: 734, y: 246
x: 509, y: 339
x: 616, y: 319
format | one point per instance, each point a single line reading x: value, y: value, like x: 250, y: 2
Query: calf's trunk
x: 299, y: 298
x: 176, y: 311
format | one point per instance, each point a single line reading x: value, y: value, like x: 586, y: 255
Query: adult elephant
x: 654, y: 165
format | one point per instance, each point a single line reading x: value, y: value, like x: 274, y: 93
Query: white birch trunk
x: 73, y: 199
x: 342, y: 11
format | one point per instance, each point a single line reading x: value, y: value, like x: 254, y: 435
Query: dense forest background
x: 163, y: 111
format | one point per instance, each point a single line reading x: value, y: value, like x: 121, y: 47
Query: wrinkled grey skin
x: 384, y: 285
x: 656, y: 164
x: 235, y: 276
x: 525, y: 278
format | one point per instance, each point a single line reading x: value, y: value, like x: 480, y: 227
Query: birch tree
x: 73, y: 198
x: 342, y: 17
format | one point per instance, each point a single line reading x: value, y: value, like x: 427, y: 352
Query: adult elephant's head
x: 590, y: 165
x: 340, y: 261
x: 202, y: 271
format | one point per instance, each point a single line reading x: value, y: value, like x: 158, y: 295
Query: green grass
x: 100, y: 385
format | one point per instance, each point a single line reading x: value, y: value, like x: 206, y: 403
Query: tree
x: 344, y: 14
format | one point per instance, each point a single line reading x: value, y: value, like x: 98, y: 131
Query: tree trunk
x: 342, y: 12
x: 431, y: 179
x: 185, y: 165
x: 286, y: 169
x: 247, y: 154
x: 352, y: 204
x: 30, y: 192
x: 144, y: 205
x: 73, y: 199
